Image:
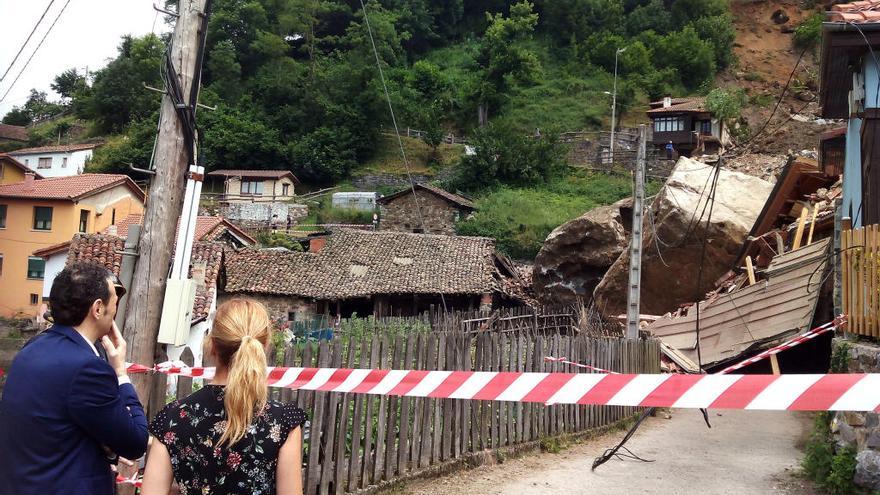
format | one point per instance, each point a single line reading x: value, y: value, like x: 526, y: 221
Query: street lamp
x: 614, y: 101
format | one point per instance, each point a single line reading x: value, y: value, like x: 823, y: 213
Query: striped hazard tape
x: 800, y: 339
x: 814, y: 392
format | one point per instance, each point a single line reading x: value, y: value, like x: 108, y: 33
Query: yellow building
x: 35, y: 214
x: 12, y: 170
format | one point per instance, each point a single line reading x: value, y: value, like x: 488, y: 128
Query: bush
x: 832, y: 471
x: 330, y: 214
x: 278, y: 239
x: 809, y: 33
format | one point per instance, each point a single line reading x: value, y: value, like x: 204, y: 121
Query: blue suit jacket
x: 60, y: 405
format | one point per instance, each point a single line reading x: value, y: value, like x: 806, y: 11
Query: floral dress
x: 190, y: 428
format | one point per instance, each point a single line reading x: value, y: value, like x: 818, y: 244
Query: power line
x: 26, y: 41
x: 34, y: 52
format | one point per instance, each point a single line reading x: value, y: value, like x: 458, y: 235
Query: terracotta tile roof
x: 867, y: 11
x: 104, y: 249
x: 4, y: 157
x: 268, y: 174
x: 207, y: 228
x: 696, y: 104
x: 360, y: 264
x: 13, y: 132
x: 64, y: 148
x: 53, y: 249
x: 69, y: 188
x: 454, y: 198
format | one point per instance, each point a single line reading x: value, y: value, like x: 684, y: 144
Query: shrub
x: 832, y: 470
x: 809, y: 33
x: 279, y: 239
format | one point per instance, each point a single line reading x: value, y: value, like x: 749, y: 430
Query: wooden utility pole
x: 173, y: 156
x: 635, y: 246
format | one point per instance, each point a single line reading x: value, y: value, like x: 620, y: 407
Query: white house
x: 56, y: 161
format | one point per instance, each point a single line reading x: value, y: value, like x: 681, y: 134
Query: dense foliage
x: 296, y: 85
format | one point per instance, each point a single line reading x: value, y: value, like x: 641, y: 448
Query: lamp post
x: 614, y: 101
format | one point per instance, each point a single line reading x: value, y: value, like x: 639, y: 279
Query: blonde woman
x: 227, y: 438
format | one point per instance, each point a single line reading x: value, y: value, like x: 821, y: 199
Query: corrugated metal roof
x: 737, y: 322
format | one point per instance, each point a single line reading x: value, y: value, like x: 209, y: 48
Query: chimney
x: 317, y: 244
x: 667, y: 101
x: 29, y: 176
x: 113, y: 230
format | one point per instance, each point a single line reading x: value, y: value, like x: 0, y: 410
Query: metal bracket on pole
x: 167, y: 12
x: 635, y: 247
x: 141, y: 170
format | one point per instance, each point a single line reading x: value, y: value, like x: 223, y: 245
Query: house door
x: 706, y: 127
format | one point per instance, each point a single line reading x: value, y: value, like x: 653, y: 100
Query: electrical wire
x: 23, y: 45
x: 34, y: 52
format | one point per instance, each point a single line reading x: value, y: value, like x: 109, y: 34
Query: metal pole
x: 614, y: 105
x: 635, y: 247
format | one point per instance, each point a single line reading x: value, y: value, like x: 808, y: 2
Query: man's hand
x: 115, y: 346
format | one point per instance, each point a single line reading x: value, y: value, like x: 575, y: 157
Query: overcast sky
x: 86, y: 35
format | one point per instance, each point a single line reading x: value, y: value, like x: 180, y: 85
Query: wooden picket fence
x: 358, y: 441
x: 860, y: 267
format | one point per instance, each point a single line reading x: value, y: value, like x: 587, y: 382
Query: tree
x: 718, y: 30
x: 234, y: 135
x: 726, y: 105
x: 224, y: 71
x: 692, y: 57
x: 118, y: 96
x: 503, y: 57
x: 69, y: 83
x: 506, y: 156
x: 575, y: 20
x: 325, y: 155
x: 17, y: 116
x: 38, y: 106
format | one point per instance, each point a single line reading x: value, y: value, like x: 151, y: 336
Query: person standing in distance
x: 63, y: 406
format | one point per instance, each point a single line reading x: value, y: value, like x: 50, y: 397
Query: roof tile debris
x: 360, y: 264
x: 68, y: 188
x: 867, y: 11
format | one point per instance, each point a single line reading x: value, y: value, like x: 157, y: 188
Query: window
x: 252, y: 187
x: 36, y: 267
x: 2, y: 216
x: 64, y: 162
x: 291, y: 316
x: 285, y: 189
x: 35, y: 299
x: 668, y: 124
x: 42, y: 218
x: 83, y: 221
x: 706, y: 127
x: 44, y: 162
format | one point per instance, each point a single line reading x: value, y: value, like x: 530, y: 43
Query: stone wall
x: 401, y: 214
x: 254, y: 215
x: 372, y: 182
x: 858, y: 429
x: 278, y: 306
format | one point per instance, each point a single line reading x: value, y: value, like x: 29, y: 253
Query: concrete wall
x: 74, y: 165
x: 279, y: 306
x: 401, y: 214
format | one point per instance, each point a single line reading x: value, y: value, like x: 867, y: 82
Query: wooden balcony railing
x: 860, y: 267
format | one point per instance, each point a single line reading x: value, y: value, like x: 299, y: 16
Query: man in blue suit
x: 64, y: 408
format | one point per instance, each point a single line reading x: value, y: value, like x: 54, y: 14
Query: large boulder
x: 576, y: 255
x: 671, y: 254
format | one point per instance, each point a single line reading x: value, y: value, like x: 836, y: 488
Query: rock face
x: 671, y: 253
x: 577, y: 254
x: 868, y: 470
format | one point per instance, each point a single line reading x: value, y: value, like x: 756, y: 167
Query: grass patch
x: 521, y: 218
x: 387, y: 159
x: 830, y: 468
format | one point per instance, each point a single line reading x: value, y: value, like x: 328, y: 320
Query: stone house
x: 440, y: 210
x: 370, y: 273
x: 255, y: 199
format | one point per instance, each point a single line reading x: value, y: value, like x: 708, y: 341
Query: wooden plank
x: 774, y: 364
x: 342, y: 442
x: 860, y: 282
x: 358, y: 449
x: 428, y: 424
x: 812, y: 225
x: 417, y: 406
x: 370, y: 409
x: 317, y: 438
x: 750, y: 269
x: 330, y: 422
x: 799, y: 234
x: 382, y: 416
x: 846, y: 231
x: 403, y: 438
x: 437, y: 435
x: 518, y: 413
x: 446, y: 451
x: 393, y: 414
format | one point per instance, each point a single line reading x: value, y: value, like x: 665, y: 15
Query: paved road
x: 745, y: 452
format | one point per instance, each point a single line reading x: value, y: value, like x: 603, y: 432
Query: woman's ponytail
x: 242, y: 327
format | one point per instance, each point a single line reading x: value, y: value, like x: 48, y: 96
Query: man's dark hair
x: 74, y: 290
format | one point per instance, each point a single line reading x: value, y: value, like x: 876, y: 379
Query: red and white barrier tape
x: 579, y: 365
x: 852, y: 392
x: 134, y: 480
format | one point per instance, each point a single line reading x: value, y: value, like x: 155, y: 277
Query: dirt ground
x: 743, y: 452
